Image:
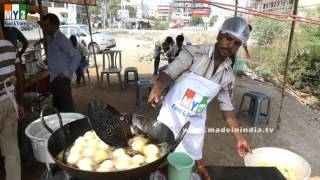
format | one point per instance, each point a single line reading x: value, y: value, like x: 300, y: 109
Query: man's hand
x: 242, y: 146
x: 159, y: 85
x: 155, y: 96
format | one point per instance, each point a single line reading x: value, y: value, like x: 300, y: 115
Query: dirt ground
x: 300, y: 125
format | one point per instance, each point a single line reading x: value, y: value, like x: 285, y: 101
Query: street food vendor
x: 201, y: 73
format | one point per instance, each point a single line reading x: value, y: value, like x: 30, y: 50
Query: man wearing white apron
x: 201, y: 73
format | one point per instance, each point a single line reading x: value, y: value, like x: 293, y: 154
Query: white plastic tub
x: 39, y: 136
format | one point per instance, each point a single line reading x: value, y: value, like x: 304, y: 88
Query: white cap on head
x: 236, y: 26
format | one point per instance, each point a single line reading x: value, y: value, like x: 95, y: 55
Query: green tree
x: 266, y: 30
x: 196, y: 20
x: 213, y: 20
x: 158, y: 25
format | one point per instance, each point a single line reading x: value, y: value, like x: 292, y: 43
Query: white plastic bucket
x: 39, y: 135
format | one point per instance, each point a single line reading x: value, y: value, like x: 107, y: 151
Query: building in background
x: 271, y: 5
x: 163, y: 12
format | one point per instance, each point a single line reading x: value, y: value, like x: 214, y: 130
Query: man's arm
x: 24, y: 42
x: 73, y: 54
x: 172, y: 72
x: 20, y: 87
x: 242, y: 144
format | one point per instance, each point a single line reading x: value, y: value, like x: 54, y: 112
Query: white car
x: 101, y: 40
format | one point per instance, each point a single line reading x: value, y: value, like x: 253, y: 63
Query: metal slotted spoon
x: 109, y: 124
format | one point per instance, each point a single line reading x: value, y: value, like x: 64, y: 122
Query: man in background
x: 10, y: 107
x: 14, y: 35
x: 63, y: 60
x: 175, y: 48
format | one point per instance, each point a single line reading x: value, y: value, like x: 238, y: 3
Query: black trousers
x: 62, y: 96
x: 156, y: 65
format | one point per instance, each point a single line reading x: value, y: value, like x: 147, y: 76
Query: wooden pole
x: 285, y: 74
x: 94, y: 53
x: 236, y: 9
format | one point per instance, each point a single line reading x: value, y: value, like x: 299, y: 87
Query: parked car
x: 101, y: 40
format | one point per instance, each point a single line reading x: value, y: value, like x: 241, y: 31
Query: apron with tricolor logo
x: 186, y: 101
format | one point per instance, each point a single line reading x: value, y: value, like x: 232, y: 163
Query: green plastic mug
x: 180, y: 166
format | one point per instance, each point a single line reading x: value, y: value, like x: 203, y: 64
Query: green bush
x: 213, y: 20
x: 158, y: 25
x: 266, y: 30
x: 196, y: 20
x: 265, y: 72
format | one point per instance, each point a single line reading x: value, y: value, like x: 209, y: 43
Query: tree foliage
x: 305, y: 65
x: 266, y: 30
x: 196, y: 20
x: 213, y: 20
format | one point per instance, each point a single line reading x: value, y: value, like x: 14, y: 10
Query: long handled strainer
x: 109, y: 124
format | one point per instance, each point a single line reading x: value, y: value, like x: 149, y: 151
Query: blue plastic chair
x: 255, y: 107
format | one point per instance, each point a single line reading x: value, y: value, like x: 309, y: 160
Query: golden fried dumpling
x: 88, y: 152
x: 138, y: 159
x: 150, y: 149
x: 93, y: 143
x: 124, y: 158
x: 103, y: 146
x: 99, y: 156
x: 151, y: 158
x: 122, y: 165
x: 118, y: 152
x: 76, y: 149
x: 85, y: 164
x: 138, y: 145
x: 107, y: 164
x: 89, y: 135
x: 137, y: 138
x: 81, y: 141
x: 73, y: 158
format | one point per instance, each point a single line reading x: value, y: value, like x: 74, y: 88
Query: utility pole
x: 104, y: 13
x: 236, y: 9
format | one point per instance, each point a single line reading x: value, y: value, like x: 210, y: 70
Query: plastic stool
x: 255, y: 106
x: 141, y: 85
x: 126, y: 76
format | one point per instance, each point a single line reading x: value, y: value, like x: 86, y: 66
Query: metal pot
x: 39, y: 135
x: 67, y: 134
x: 280, y: 157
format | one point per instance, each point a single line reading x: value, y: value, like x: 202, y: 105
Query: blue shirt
x: 62, y: 57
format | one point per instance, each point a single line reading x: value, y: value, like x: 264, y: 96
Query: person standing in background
x: 10, y: 107
x: 83, y: 62
x: 245, y: 47
x: 175, y: 49
x: 63, y: 60
x: 157, y: 53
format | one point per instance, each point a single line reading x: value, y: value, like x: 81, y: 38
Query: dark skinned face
x: 48, y: 28
x: 227, y: 44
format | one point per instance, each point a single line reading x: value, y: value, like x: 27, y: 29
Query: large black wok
x: 67, y: 134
